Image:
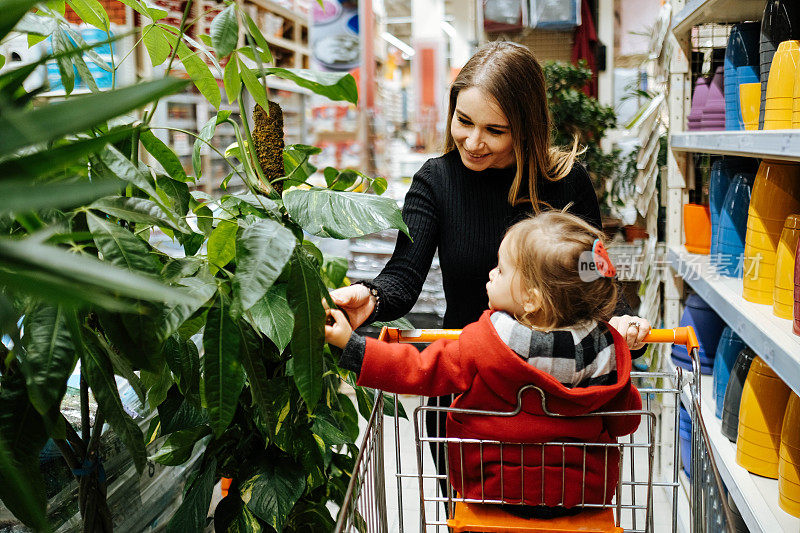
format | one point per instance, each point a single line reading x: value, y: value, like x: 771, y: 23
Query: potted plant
x: 223, y: 345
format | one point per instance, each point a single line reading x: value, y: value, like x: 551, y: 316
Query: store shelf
x: 708, y: 11
x: 280, y: 10
x: 773, y: 144
x: 755, y: 496
x: 769, y: 336
x: 280, y: 42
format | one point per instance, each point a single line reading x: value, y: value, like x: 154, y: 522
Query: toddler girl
x: 549, y: 298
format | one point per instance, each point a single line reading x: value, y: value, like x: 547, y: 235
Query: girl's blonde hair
x: 510, y: 73
x: 546, y: 250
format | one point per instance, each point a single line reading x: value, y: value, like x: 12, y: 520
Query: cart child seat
x: 482, y: 512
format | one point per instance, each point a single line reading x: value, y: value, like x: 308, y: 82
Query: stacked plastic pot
x: 781, y: 22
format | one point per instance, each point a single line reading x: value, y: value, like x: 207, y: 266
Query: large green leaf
x: 296, y: 165
x: 21, y: 195
x: 55, y: 159
x: 121, y: 247
x: 201, y: 75
x: 49, y: 122
x: 200, y: 289
x: 121, y: 167
x: 333, y: 85
x: 164, y: 155
x: 123, y: 368
x: 64, y: 62
x: 262, y: 251
x: 22, y: 436
x: 191, y: 515
x: 204, y: 137
x: 12, y: 12
x: 258, y: 37
x: 99, y: 372
x: 222, y: 244
x: 157, y: 44
x: 57, y: 275
x: 231, y: 79
x: 91, y: 12
x: 178, y: 447
x: 175, y: 193
x: 272, y: 316
x: 177, y: 413
x: 273, y: 491
x: 222, y: 371
x: 49, y: 356
x: 183, y: 359
x: 253, y: 362
x: 139, y: 210
x: 256, y: 88
x: 225, y: 31
x: 308, y: 337
x: 233, y: 516
x: 342, y: 215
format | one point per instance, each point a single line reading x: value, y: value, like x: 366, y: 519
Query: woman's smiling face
x: 481, y: 131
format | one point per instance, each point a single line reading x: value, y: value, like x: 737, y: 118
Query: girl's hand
x: 338, y: 333
x: 632, y: 328
x: 356, y: 301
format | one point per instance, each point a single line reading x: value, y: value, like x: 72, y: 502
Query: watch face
x: 338, y: 52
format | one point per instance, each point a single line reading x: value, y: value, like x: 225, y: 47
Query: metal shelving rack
x: 769, y: 336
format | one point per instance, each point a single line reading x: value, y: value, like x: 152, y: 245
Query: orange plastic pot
x: 697, y: 228
x: 761, y: 413
x: 789, y: 459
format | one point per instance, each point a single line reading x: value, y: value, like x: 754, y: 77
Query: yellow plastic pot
x: 761, y: 413
x: 789, y: 459
x: 750, y: 104
x: 783, y: 296
x: 783, y: 71
x: 776, y: 195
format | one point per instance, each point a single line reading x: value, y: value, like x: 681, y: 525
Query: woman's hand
x: 632, y: 328
x: 356, y: 301
x: 338, y: 333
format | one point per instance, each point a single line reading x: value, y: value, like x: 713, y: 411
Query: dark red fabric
x: 585, y: 46
x: 488, y: 374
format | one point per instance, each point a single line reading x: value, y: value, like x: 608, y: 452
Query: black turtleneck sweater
x: 465, y: 214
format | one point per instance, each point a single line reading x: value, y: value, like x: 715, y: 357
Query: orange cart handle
x: 682, y: 335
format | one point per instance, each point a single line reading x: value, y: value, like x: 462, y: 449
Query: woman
x: 498, y: 167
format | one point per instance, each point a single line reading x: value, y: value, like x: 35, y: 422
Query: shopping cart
x: 641, y: 469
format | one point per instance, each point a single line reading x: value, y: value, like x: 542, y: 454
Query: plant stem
x: 208, y: 143
x: 149, y: 116
x: 85, y: 429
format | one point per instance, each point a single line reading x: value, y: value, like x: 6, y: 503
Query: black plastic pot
x: 781, y: 22
x: 733, y: 394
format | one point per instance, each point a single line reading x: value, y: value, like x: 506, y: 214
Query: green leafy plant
x: 577, y: 115
x: 224, y: 344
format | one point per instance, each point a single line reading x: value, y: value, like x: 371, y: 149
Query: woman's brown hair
x: 511, y: 74
x: 551, y: 252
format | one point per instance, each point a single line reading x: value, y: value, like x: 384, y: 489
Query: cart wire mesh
x: 364, y: 505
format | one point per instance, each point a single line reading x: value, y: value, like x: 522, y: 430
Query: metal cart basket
x: 648, y: 464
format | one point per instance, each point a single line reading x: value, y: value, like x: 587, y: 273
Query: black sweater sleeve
x: 400, y: 282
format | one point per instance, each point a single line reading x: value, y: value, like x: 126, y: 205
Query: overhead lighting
x: 397, y: 43
x: 448, y: 29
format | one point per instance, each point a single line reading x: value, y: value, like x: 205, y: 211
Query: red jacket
x: 488, y: 374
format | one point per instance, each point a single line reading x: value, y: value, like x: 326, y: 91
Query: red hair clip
x: 601, y: 260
